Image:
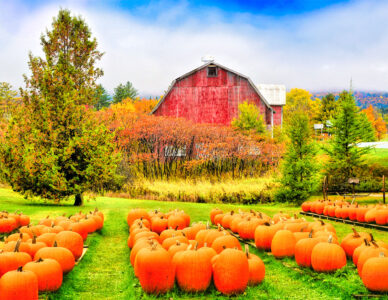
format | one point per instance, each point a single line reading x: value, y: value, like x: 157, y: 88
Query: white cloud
x: 319, y: 50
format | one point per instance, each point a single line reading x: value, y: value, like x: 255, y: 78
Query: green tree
x: 54, y: 146
x: 124, y: 91
x: 7, y: 99
x: 328, y: 108
x: 249, y: 118
x: 103, y: 99
x: 299, y: 169
x: 349, y: 128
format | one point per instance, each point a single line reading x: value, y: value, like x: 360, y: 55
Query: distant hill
x: 364, y: 99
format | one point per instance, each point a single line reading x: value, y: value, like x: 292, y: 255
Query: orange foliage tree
x: 162, y: 147
x: 377, y: 121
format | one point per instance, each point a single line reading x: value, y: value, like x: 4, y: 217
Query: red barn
x: 212, y: 93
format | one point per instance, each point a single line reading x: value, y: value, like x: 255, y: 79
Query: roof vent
x: 207, y: 58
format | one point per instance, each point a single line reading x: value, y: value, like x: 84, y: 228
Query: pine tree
x: 103, y: 99
x: 349, y: 128
x: 299, y: 169
x: 328, y: 108
x: 124, y: 91
x: 54, y: 146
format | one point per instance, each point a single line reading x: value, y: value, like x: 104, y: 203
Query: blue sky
x: 316, y: 45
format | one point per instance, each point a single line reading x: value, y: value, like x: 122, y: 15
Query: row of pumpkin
x: 11, y: 221
x: 344, y: 210
x: 35, y: 258
x: 313, y: 244
x: 165, y: 249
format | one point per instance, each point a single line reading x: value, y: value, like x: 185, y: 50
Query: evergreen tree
x: 54, y: 146
x: 124, y: 91
x: 349, y: 128
x: 328, y: 108
x: 103, y: 99
x: 299, y: 168
x: 7, y: 99
x: 249, y: 118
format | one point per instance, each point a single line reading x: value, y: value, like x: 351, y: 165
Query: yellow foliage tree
x: 300, y: 100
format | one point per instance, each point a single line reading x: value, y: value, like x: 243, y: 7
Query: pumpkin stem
x: 355, y: 233
x: 330, y: 240
x: 322, y: 223
x: 381, y: 254
x: 311, y: 233
x: 205, y: 244
x: 20, y: 269
x: 366, y: 242
x: 375, y: 244
x: 247, y: 250
x: 17, y: 245
x: 196, y: 246
x: 371, y: 237
x: 34, y: 239
x: 39, y: 260
x: 55, y: 244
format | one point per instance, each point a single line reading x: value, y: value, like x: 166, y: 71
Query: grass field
x: 378, y: 156
x: 105, y: 271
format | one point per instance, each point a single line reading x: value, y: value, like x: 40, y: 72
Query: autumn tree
x: 55, y: 147
x: 377, y: 121
x: 349, y: 128
x: 299, y: 170
x: 103, y: 99
x: 299, y: 100
x: 124, y: 91
x: 249, y: 118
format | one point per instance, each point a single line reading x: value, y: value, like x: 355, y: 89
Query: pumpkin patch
x: 41, y: 254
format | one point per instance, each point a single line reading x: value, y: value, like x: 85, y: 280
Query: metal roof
x: 274, y: 93
x: 265, y: 100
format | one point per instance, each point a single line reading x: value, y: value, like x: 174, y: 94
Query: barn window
x: 211, y: 71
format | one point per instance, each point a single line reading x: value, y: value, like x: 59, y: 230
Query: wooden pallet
x: 83, y: 253
x: 361, y: 224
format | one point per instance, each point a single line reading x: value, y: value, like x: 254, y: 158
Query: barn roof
x: 274, y: 93
x: 266, y: 102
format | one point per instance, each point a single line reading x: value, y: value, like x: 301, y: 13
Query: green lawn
x: 105, y: 271
x: 378, y: 156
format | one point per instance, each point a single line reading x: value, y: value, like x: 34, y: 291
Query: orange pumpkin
x: 213, y: 213
x: 303, y: 250
x: 327, y: 257
x: 48, y: 272
x: 137, y: 213
x: 373, y: 251
x: 230, y: 271
x: 60, y: 254
x: 225, y: 241
x: 154, y: 269
x: 353, y: 240
x: 264, y: 235
x: 283, y: 244
x: 193, y: 269
x: 10, y: 261
x: 256, y: 268
x: 72, y: 241
x: 19, y: 284
x: 375, y: 273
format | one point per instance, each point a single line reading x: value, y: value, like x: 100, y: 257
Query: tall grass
x: 244, y: 190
